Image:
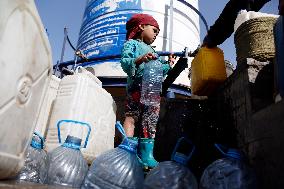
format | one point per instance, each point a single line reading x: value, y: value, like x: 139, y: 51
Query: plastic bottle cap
x: 129, y: 145
x: 72, y: 142
x: 180, y: 158
x: 36, y: 144
x: 233, y: 153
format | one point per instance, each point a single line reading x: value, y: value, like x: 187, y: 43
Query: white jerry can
x: 25, y: 60
x: 81, y: 98
x: 49, y: 97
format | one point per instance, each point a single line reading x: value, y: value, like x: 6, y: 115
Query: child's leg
x: 132, y: 112
x: 129, y: 126
x: 146, y: 145
x: 149, y: 121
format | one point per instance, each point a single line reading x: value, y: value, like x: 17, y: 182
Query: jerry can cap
x: 37, y: 141
x: 229, y: 152
x: 79, y: 123
x: 72, y: 142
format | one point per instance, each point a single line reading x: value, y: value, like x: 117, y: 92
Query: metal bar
x: 184, y: 53
x: 72, y: 62
x: 63, y: 46
x: 171, y: 26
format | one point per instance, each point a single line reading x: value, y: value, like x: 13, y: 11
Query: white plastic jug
x: 25, y: 61
x: 45, y: 110
x: 81, y: 98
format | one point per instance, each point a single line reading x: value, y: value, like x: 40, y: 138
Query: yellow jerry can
x: 208, y: 71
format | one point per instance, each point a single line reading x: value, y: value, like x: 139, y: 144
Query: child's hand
x: 145, y: 58
x: 172, y: 59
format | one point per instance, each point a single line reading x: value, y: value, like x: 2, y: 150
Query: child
x: 142, y: 30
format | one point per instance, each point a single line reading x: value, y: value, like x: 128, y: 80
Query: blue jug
x: 66, y: 164
x: 117, y: 168
x: 172, y: 174
x: 34, y: 169
x: 230, y: 172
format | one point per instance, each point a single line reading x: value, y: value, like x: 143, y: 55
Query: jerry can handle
x: 41, y: 139
x: 230, y: 152
x: 120, y: 129
x: 129, y: 145
x: 77, y: 68
x: 179, y: 157
x: 76, y: 122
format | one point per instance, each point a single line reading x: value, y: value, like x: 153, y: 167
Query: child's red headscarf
x: 132, y: 25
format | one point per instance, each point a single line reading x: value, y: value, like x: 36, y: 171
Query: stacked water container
x: 25, y: 57
x: 35, y: 168
x: 80, y: 97
x: 66, y: 164
x: 117, y: 168
x: 230, y: 172
x: 174, y: 173
x: 45, y: 111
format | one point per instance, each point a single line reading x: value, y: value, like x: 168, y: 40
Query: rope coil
x: 254, y: 39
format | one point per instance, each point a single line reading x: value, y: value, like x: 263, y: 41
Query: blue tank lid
x: 72, y: 142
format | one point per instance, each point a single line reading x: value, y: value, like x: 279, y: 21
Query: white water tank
x: 103, y: 31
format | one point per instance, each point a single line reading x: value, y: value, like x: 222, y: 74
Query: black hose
x: 197, y: 11
x: 71, y: 43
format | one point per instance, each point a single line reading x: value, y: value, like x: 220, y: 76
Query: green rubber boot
x: 145, y: 151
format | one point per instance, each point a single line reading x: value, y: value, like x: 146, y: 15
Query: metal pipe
x: 160, y: 53
x: 63, y: 46
x: 171, y: 26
